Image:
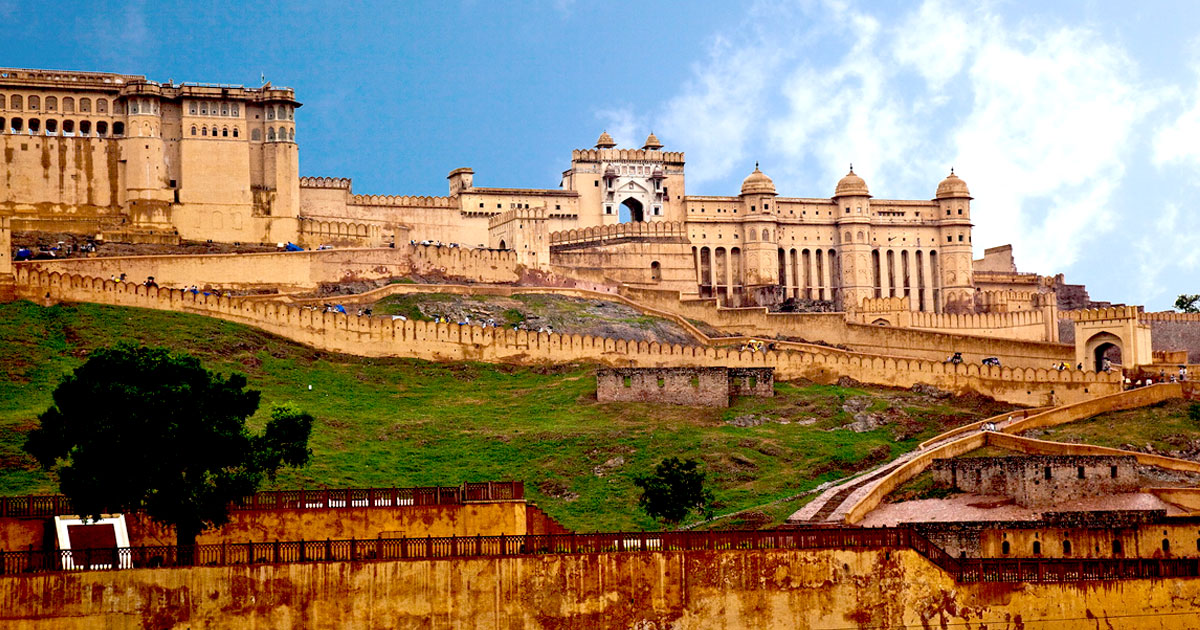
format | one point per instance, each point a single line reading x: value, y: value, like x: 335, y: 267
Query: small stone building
x: 1039, y: 480
x: 701, y: 387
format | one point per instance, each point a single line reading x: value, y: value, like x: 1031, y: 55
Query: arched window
x: 1116, y: 547
x: 214, y: 131
x: 118, y: 129
x: 51, y: 103
x: 233, y: 110
x: 68, y: 105
x: 291, y: 134
x: 85, y: 104
x: 282, y: 134
x: 35, y: 126
x: 204, y: 131
x: 225, y: 132
x: 35, y: 103
x: 85, y: 127
x: 655, y: 271
x: 1004, y: 548
x: 102, y: 129
x: 270, y: 134
x: 204, y: 108
x: 270, y: 113
x: 224, y: 109
x: 766, y: 235
x: 1037, y: 548
x: 51, y: 127
x: 102, y: 105
x: 255, y: 135
x: 118, y: 107
x: 2, y: 121
x: 3, y: 102
x: 16, y: 102
x: 1166, y: 546
x: 235, y: 132
x: 192, y: 108
x: 193, y: 130
x: 68, y: 127
x: 1066, y: 547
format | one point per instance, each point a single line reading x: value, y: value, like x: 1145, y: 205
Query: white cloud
x: 1172, y: 246
x: 622, y: 124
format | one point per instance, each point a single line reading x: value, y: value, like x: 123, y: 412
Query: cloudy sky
x: 1076, y: 124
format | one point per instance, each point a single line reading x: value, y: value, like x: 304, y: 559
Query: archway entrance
x: 503, y: 245
x: 1104, y: 346
x: 631, y: 211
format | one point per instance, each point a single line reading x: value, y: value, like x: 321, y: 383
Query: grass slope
x: 384, y: 422
x: 1164, y: 426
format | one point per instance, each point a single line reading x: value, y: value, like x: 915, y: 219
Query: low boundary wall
x: 379, y: 336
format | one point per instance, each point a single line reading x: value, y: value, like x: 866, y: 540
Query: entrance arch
x: 1104, y: 345
x: 503, y: 245
x: 632, y: 211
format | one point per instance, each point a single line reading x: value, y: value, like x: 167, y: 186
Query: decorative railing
x: 52, y: 505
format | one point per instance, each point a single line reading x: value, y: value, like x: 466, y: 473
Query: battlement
x: 402, y: 201
x: 382, y: 336
x: 325, y: 182
x: 600, y: 234
x: 1100, y: 314
x: 526, y: 214
x: 884, y: 305
x: 1169, y: 316
x: 626, y: 155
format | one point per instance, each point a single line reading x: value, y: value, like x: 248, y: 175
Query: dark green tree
x: 141, y: 428
x: 1188, y: 303
x: 674, y: 489
x: 1193, y: 413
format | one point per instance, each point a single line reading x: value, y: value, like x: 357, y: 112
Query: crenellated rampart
x: 600, y: 234
x: 314, y: 232
x: 1103, y: 314
x: 325, y: 182
x: 402, y: 201
x: 381, y: 336
x: 616, y: 155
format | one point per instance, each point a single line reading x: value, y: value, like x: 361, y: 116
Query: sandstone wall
x: 726, y: 590
x: 378, y: 336
x: 293, y: 269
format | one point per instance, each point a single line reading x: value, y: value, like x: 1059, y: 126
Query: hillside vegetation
x: 385, y: 422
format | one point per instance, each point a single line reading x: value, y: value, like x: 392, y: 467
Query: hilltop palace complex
x: 135, y: 160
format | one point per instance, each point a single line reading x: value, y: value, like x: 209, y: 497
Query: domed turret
x: 606, y: 141
x: 652, y: 142
x: 757, y: 183
x: 953, y: 187
x: 851, y: 186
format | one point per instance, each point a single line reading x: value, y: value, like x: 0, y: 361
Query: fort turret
x: 761, y: 229
x: 851, y: 268
x: 955, y: 270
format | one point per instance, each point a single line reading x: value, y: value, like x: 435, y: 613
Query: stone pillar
x: 926, y: 282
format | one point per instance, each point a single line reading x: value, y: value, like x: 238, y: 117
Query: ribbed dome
x: 953, y: 187
x: 606, y: 141
x: 851, y: 186
x: 652, y: 142
x: 757, y: 183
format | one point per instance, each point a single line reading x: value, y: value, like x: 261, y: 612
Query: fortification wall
x: 1039, y: 481
x: 292, y: 269
x: 833, y: 329
x: 58, y: 183
x: 694, y: 590
x: 487, y: 519
x: 378, y: 336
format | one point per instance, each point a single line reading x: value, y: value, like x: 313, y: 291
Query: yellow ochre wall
x: 726, y: 590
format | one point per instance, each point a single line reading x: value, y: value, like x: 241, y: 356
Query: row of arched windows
x: 281, y: 112
x: 224, y: 132
x: 1006, y: 548
x: 210, y: 108
x: 284, y: 135
x: 51, y: 104
x: 53, y: 127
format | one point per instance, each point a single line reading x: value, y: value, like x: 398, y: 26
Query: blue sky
x: 1076, y: 124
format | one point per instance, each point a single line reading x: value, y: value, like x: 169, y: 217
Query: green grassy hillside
x: 405, y: 422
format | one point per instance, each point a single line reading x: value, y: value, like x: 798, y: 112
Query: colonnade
x: 915, y: 275
x: 809, y: 274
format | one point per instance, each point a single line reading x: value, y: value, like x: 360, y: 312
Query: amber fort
x: 834, y: 284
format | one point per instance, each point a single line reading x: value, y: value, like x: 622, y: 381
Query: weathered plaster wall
x: 729, y: 590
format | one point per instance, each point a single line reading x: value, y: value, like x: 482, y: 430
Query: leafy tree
x: 140, y: 428
x: 674, y: 489
x: 1188, y: 303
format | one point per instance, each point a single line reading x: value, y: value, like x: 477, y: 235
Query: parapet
x: 1102, y: 314
x: 400, y: 201
x: 619, y: 155
x: 620, y: 231
x: 325, y: 182
x: 519, y: 214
